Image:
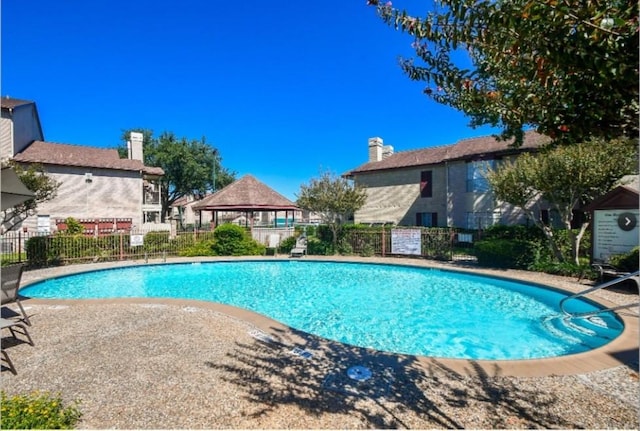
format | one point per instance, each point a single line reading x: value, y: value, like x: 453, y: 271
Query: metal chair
x: 11, y: 276
x: 11, y: 325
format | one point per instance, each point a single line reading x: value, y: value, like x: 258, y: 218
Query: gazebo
x: 247, y: 195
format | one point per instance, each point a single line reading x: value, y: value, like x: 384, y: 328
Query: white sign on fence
x: 406, y: 241
x: 136, y: 240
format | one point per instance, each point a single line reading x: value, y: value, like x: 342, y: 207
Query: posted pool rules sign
x: 614, y: 232
x: 406, y: 241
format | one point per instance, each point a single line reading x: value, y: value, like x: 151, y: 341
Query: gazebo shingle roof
x: 246, y: 194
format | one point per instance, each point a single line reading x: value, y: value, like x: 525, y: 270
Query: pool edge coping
x: 623, y: 350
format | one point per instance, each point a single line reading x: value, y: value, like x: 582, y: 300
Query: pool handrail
x: 633, y: 275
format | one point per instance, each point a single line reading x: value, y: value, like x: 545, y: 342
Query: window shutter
x: 418, y: 219
x: 434, y: 219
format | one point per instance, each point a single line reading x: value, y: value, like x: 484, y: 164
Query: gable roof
x: 247, y: 193
x: 49, y: 153
x: 625, y: 196
x: 9, y: 103
x: 472, y: 148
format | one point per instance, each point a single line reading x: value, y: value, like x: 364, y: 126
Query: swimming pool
x: 393, y: 308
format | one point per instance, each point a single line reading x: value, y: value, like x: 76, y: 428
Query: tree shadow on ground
x: 401, y: 392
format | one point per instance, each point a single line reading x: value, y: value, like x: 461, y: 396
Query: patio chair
x: 300, y: 248
x: 607, y: 272
x: 11, y: 276
x: 12, y: 325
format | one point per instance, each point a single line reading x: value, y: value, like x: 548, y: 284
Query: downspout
x: 446, y: 190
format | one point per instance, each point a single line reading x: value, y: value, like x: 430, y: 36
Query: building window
x: 476, y: 175
x: 151, y: 217
x: 426, y: 188
x: 151, y: 195
x: 553, y: 219
x: 427, y: 219
x: 43, y: 224
x: 482, y: 219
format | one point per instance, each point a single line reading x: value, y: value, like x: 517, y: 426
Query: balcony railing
x: 151, y: 198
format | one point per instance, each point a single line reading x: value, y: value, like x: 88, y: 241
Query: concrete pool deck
x: 224, y: 367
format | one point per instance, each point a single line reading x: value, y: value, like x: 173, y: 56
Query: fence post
x: 121, y: 247
x: 19, y: 247
x: 384, y: 242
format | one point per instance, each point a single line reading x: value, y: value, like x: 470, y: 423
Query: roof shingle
x: 81, y: 156
x: 10, y: 103
x: 246, y: 194
x: 463, y: 149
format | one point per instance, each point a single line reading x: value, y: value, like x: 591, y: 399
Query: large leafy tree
x: 191, y: 167
x: 567, y: 68
x: 333, y: 198
x: 35, y: 179
x: 566, y: 178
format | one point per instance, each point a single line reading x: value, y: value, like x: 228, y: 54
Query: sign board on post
x: 614, y: 232
x: 136, y: 240
x: 406, y: 241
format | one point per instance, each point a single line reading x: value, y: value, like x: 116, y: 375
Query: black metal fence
x: 39, y: 250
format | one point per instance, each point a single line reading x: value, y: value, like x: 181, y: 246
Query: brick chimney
x: 375, y: 149
x: 134, y: 145
x: 387, y: 151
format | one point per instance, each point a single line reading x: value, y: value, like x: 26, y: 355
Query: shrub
x: 344, y: 247
x: 37, y: 411
x: 367, y: 250
x: 233, y: 240
x: 200, y: 248
x: 505, y: 253
x: 311, y: 230
x: 37, y: 250
x: 74, y: 227
x: 627, y: 261
x: 287, y: 244
x: 567, y: 269
x: 318, y: 247
x: 324, y: 233
x: 156, y: 241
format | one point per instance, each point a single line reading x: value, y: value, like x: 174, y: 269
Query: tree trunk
x: 334, y: 231
x: 578, y: 240
x: 548, y: 233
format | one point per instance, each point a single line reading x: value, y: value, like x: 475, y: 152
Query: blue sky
x: 282, y: 89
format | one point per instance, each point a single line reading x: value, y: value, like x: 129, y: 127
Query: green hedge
x: 505, y: 253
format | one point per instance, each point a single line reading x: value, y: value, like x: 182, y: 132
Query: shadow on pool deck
x: 430, y: 391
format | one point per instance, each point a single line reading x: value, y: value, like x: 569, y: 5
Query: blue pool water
x: 391, y: 308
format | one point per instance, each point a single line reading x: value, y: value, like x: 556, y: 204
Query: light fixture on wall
x: 88, y: 177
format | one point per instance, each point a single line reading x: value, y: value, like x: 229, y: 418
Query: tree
x: 35, y: 179
x: 566, y: 178
x: 333, y: 198
x: 567, y: 68
x: 191, y: 167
